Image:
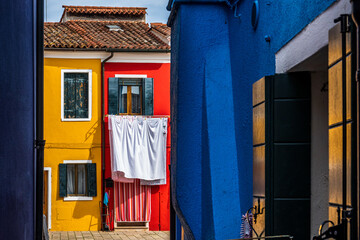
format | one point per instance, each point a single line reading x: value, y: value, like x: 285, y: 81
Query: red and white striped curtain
x: 132, y: 202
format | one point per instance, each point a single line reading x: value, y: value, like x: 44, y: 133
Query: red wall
x: 160, y: 72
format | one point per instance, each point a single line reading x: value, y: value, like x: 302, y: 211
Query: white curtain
x: 138, y: 149
x: 81, y: 179
x: 70, y: 179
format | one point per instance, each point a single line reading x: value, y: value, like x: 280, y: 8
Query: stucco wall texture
x: 78, y: 140
x: 17, y: 162
x: 160, y: 72
x: 216, y: 58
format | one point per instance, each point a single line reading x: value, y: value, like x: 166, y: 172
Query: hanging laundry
x: 138, y: 149
x: 132, y: 202
x: 106, y: 198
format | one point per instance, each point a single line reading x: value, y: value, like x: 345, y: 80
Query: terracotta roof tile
x: 161, y: 28
x: 105, y: 10
x: 96, y: 34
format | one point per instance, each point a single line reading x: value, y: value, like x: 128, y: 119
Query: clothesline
x: 148, y: 116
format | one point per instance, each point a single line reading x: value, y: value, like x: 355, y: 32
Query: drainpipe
x: 356, y: 19
x: 39, y: 142
x: 103, y: 122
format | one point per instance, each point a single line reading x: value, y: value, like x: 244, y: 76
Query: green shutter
x: 148, y: 96
x: 113, y: 92
x: 62, y: 180
x: 91, y: 179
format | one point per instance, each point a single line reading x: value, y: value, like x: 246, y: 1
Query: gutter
x: 39, y: 142
x: 103, y: 124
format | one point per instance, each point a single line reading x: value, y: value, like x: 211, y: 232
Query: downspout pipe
x: 39, y: 142
x: 356, y: 19
x: 103, y: 121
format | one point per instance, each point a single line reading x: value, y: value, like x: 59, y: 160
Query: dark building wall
x: 216, y: 58
x: 16, y: 119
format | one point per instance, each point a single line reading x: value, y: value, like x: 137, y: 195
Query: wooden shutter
x: 336, y: 128
x: 281, y: 154
x: 113, y: 96
x: 91, y: 179
x: 148, y: 96
x: 62, y: 180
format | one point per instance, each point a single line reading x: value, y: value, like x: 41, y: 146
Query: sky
x: 156, y: 8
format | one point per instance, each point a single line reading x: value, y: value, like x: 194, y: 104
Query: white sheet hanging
x: 138, y: 149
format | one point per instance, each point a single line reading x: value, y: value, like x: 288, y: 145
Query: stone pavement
x: 119, y: 235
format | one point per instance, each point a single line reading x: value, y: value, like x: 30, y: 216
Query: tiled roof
x: 105, y: 10
x: 161, y: 28
x: 85, y: 34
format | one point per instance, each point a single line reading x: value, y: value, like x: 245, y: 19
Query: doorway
x: 47, y: 196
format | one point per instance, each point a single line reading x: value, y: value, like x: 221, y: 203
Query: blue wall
x: 216, y: 58
x: 16, y: 119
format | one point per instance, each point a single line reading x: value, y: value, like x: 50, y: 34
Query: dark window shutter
x: 113, y: 95
x: 91, y: 179
x: 148, y: 96
x: 62, y: 180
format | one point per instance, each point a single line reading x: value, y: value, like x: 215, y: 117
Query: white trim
x: 77, y: 161
x: 311, y: 39
x: 119, y: 57
x: 77, y: 198
x: 130, y: 75
x: 48, y: 169
x: 89, y: 71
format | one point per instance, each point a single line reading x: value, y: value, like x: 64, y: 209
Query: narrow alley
x: 119, y: 235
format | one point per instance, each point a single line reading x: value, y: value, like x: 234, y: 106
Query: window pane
x: 69, y: 95
x: 81, y: 180
x: 82, y: 92
x: 135, y: 99
x: 70, y: 179
x: 76, y: 91
x: 123, y: 99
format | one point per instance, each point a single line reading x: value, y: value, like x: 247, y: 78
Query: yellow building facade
x: 74, y: 142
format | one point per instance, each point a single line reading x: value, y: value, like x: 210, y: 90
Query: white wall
x: 319, y: 152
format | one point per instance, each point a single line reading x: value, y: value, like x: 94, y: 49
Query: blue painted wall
x: 16, y: 119
x: 216, y: 58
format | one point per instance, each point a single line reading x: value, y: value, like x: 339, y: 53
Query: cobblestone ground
x: 120, y: 235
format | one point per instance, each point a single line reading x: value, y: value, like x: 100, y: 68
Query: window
x: 76, y: 95
x: 77, y: 180
x: 130, y: 96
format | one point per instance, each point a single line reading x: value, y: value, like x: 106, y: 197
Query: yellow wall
x: 71, y: 141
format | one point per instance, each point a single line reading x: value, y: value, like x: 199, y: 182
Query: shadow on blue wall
x: 216, y: 58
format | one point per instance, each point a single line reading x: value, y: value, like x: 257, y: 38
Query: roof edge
x: 107, y: 50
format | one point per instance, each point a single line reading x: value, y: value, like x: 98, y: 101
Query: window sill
x: 77, y: 198
x: 75, y: 119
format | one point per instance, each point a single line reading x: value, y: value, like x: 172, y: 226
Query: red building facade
x: 160, y: 73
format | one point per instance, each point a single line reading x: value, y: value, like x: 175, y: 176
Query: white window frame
x: 77, y: 198
x: 138, y: 76
x: 130, y: 75
x: 89, y: 72
x: 48, y: 169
